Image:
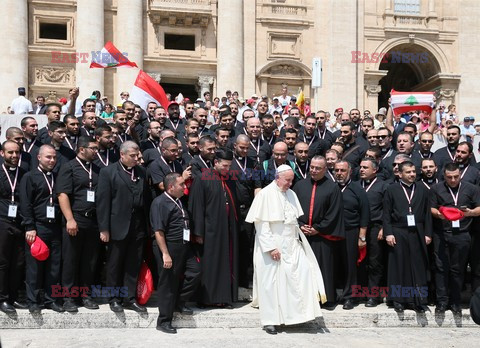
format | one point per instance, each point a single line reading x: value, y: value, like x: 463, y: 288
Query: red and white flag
x: 146, y: 90
x: 110, y: 57
x: 411, y: 101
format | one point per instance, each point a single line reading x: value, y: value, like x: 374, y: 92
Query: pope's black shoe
x: 167, y: 328
x: 7, y: 308
x: 34, y: 308
x: 270, y: 329
x: 348, y: 304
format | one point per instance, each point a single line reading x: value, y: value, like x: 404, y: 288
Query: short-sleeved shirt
x: 468, y: 195
x: 166, y: 216
x: 73, y: 180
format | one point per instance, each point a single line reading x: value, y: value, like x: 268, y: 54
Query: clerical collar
x: 57, y: 147
x: 240, y: 158
x: 73, y: 137
x: 384, y: 149
x: 9, y: 167
x: 452, y: 147
x: 44, y: 170
x: 461, y: 166
x: 83, y: 161
x: 367, y: 182
x: 405, y: 184
x: 308, y: 137
x: 346, y: 184
x: 125, y: 167
x: 429, y: 181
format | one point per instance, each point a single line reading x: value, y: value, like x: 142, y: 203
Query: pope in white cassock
x: 287, y: 282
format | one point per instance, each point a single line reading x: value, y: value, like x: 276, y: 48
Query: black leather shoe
x: 329, y: 306
x: 116, y: 307
x: 456, y: 309
x: 134, y: 306
x: 167, y: 328
x: 372, y: 302
x: 270, y: 329
x: 421, y: 309
x: 55, y: 307
x: 441, y: 308
x: 70, y: 306
x: 20, y: 305
x: 184, y: 310
x: 399, y: 308
x: 34, y: 309
x: 348, y: 305
x: 7, y: 308
x: 88, y: 303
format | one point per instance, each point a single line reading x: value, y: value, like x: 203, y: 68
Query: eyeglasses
x: 373, y: 137
x: 427, y: 141
x: 382, y: 136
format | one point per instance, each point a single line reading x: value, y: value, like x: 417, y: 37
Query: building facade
x: 366, y: 47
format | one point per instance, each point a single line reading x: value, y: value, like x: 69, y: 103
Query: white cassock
x: 287, y: 291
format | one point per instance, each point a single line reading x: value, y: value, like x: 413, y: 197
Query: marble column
x: 89, y: 36
x: 372, y: 91
x: 14, y: 60
x: 204, y: 82
x: 230, y: 46
x: 432, y: 15
x: 129, y: 38
x: 249, y: 31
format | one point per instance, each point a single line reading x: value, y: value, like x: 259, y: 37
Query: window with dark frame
x: 180, y: 42
x: 53, y: 31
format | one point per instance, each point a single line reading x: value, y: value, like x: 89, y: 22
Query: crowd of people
x: 173, y: 186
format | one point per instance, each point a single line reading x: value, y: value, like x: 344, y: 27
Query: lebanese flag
x: 411, y: 101
x: 146, y: 90
x: 110, y: 57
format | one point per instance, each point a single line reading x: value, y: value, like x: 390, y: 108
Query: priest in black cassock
x: 322, y: 223
x: 407, y: 226
x: 212, y: 208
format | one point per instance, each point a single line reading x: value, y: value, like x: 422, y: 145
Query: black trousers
x: 172, y: 289
x: 475, y: 258
x: 350, y: 256
x: 44, y: 274
x: 12, y: 260
x: 376, y: 255
x: 124, y: 260
x: 324, y: 251
x: 80, y: 253
x: 451, y: 256
x: 245, y: 245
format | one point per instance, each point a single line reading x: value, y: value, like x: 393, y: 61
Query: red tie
x: 312, y: 201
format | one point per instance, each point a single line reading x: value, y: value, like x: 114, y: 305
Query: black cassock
x: 408, y: 259
x: 216, y: 221
x: 327, y: 218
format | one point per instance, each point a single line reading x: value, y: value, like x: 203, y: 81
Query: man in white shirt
x: 288, y: 283
x: 21, y: 105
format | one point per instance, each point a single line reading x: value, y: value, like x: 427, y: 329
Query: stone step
x: 242, y: 316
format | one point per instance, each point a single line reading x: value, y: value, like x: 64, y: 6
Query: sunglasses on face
x: 427, y: 141
x: 382, y: 136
